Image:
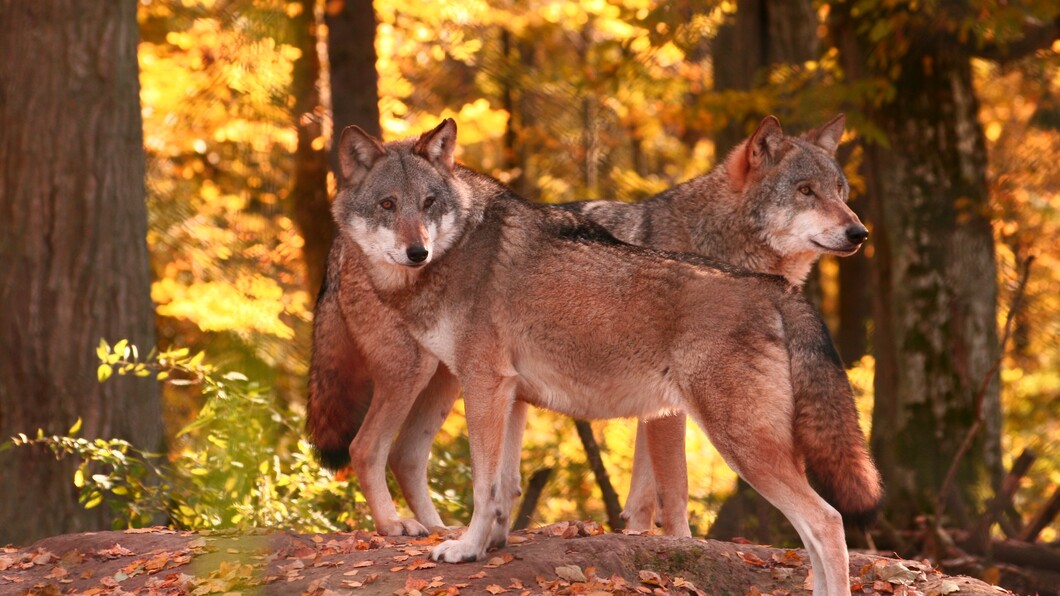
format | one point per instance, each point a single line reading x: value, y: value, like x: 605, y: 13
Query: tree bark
x: 935, y: 277
x: 73, y: 253
x: 309, y: 203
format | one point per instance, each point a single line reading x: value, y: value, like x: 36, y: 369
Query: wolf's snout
x: 417, y: 253
x: 857, y: 234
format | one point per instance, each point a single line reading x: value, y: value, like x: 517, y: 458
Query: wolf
x: 742, y: 212
x: 771, y: 216
x: 526, y: 304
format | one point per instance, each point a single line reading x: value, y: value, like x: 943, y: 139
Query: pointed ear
x: 437, y: 146
x: 828, y: 135
x: 358, y: 151
x: 760, y: 149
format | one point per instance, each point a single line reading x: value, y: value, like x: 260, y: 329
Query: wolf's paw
x: 400, y: 526
x: 457, y: 551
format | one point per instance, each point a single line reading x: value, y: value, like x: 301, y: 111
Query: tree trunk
x: 855, y: 302
x: 73, y: 253
x: 762, y: 33
x: 310, y: 207
x: 935, y: 300
x: 354, y: 80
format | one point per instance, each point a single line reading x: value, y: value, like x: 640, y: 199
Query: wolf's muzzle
x: 417, y: 253
x: 857, y: 234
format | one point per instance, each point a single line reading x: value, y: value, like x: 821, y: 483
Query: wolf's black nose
x: 416, y: 253
x: 857, y: 234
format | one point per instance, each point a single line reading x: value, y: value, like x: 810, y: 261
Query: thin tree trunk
x: 352, y: 57
x: 73, y: 253
x: 310, y: 207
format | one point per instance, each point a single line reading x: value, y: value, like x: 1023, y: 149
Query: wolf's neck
x: 721, y: 226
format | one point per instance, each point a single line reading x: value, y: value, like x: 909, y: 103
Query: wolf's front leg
x: 488, y: 407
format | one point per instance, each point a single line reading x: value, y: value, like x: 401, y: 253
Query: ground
x: 564, y: 558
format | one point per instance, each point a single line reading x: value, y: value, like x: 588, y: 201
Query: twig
x: 969, y: 437
x: 534, y: 488
x: 1042, y: 518
x: 592, y: 451
x: 1003, y: 498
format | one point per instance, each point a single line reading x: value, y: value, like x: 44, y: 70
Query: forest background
x: 948, y: 319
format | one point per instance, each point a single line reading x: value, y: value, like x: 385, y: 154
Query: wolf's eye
x: 387, y: 204
x: 428, y: 202
x: 806, y: 190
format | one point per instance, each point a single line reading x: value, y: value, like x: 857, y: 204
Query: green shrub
x: 243, y: 462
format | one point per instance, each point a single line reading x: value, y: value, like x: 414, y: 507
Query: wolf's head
x: 795, y: 189
x: 400, y: 202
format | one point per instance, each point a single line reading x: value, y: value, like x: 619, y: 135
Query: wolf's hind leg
x: 747, y: 410
x: 391, y: 403
x: 411, y: 451
x: 510, y: 475
x: 639, y: 511
x: 666, y: 447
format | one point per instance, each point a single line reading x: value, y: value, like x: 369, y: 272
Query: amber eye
x: 428, y: 202
x: 806, y: 190
x: 387, y: 204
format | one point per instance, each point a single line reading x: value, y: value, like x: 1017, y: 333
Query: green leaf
x: 103, y: 372
x: 76, y: 428
x: 96, y: 499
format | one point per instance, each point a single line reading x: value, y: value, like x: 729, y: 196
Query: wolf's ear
x: 827, y: 135
x: 761, y: 149
x: 437, y: 146
x: 358, y: 151
x: 764, y: 144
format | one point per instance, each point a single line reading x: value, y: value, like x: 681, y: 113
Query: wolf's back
x: 340, y: 389
x: 826, y: 427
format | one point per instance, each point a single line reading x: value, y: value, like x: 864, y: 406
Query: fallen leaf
x: 495, y: 589
x: 790, y: 558
x: 364, y: 564
x: 948, y: 587
x: 751, y: 559
x: 897, y: 573
x: 882, y: 586
x: 501, y: 560
x: 571, y: 573
x: 417, y: 564
x: 650, y: 577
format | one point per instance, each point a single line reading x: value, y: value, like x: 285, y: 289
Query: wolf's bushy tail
x: 827, y: 433
x: 340, y: 389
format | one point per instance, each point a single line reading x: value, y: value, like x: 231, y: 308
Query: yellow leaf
x: 75, y: 428
x: 103, y: 372
x: 79, y: 478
